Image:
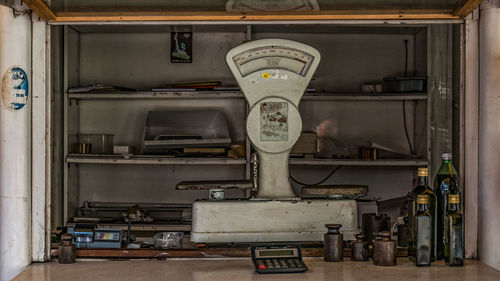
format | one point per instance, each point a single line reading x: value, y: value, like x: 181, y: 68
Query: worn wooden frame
x: 44, y: 11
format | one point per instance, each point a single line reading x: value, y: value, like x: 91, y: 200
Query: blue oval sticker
x: 15, y: 88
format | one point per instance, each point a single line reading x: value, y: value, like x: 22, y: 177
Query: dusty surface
x: 241, y: 269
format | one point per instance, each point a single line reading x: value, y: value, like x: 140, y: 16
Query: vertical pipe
x: 15, y: 148
x: 489, y: 133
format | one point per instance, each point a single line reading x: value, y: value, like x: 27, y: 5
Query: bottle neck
x: 453, y: 206
x: 422, y: 207
x: 423, y: 180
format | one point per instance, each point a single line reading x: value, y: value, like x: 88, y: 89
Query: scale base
x: 234, y: 221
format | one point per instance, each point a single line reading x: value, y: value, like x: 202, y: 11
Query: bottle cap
x: 454, y: 198
x: 422, y: 199
x: 447, y: 156
x: 423, y: 172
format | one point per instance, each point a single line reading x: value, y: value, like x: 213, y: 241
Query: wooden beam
x: 467, y: 8
x: 227, y: 16
x: 191, y: 253
x: 41, y: 9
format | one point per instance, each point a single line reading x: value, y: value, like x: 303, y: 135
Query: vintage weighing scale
x: 273, y: 75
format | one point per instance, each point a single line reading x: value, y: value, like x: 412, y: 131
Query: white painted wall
x: 15, y: 152
x: 489, y: 133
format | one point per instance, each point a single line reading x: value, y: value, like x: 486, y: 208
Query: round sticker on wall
x: 15, y: 89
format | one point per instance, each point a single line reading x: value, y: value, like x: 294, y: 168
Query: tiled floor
x: 241, y: 269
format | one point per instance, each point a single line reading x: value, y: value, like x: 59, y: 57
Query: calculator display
x: 277, y: 253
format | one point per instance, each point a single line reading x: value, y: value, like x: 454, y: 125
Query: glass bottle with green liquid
x: 423, y: 232
x: 421, y: 189
x: 454, y: 232
x: 446, y: 182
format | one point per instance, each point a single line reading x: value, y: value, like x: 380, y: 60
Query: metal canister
x: 67, y: 251
x: 371, y: 223
x: 359, y: 248
x: 384, y: 249
x: 334, y: 243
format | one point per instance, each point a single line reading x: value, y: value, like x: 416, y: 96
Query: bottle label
x: 445, y: 184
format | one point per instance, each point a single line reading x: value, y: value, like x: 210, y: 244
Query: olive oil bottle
x: 423, y: 232
x: 421, y: 189
x: 454, y: 247
x: 446, y: 182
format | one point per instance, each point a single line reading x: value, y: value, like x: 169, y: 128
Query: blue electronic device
x: 91, y: 237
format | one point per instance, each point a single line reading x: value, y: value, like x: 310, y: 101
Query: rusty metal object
x: 368, y: 153
x: 371, y: 223
x: 67, y: 251
x: 384, y: 249
x: 360, y: 248
x: 83, y: 148
x: 203, y: 185
x: 344, y: 190
x: 334, y: 244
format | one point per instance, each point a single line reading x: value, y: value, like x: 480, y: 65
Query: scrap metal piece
x: 204, y: 185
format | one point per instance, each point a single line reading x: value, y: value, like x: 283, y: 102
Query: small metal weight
x: 359, y: 248
x: 67, y: 252
x: 384, y: 249
x: 334, y: 244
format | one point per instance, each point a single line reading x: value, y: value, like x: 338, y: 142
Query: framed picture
x: 181, y: 47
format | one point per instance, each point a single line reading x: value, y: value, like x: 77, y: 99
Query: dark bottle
x: 423, y: 234
x: 384, y: 249
x: 334, y: 243
x: 446, y: 182
x: 421, y: 189
x: 454, y: 231
x: 359, y: 248
x: 403, y: 233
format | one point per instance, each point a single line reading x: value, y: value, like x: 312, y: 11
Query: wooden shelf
x: 239, y: 95
x: 359, y: 162
x: 150, y: 159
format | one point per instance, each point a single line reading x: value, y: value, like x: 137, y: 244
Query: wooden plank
x: 98, y: 16
x: 466, y: 8
x: 191, y: 253
x: 41, y: 9
x: 471, y: 131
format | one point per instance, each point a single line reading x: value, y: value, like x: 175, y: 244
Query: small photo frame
x: 181, y: 47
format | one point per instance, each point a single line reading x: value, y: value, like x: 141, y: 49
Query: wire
x: 406, y: 58
x: 406, y: 129
x: 318, y: 183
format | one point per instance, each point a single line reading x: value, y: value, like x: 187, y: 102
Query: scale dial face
x: 275, y: 57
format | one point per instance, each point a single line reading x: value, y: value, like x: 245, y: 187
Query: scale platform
x: 270, y: 221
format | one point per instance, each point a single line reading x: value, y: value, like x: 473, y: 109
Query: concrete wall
x: 15, y: 152
x: 489, y: 133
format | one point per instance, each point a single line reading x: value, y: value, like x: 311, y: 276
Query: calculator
x: 278, y: 259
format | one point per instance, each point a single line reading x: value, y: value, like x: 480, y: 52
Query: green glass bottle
x: 423, y: 232
x: 454, y: 231
x: 446, y: 182
x: 421, y: 189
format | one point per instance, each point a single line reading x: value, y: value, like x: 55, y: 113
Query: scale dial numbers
x: 273, y: 57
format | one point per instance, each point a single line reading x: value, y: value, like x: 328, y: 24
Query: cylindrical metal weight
x: 384, y: 249
x: 334, y: 244
x: 359, y: 249
x: 67, y: 251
